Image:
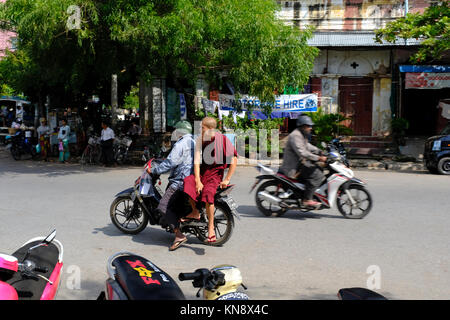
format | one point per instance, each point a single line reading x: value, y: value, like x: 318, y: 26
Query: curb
x: 368, y: 164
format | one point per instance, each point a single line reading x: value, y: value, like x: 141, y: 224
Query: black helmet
x: 304, y: 120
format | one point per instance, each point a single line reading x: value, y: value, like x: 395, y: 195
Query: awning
x: 419, y: 68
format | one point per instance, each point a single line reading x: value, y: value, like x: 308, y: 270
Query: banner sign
x: 283, y: 103
x: 425, y: 80
x: 183, y: 111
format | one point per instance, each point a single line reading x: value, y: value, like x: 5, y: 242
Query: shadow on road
x: 253, y: 212
x: 154, y: 236
x: 49, y: 169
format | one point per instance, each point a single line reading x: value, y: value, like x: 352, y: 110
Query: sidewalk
x: 369, y: 164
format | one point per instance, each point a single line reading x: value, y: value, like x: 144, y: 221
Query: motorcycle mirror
x: 50, y: 237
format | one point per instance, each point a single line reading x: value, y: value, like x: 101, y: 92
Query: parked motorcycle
x: 33, y: 272
x: 121, y: 147
x: 134, y: 207
x: 279, y: 193
x: 132, y: 277
x: 21, y: 144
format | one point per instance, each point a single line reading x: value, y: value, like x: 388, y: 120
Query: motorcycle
x: 135, y: 207
x: 21, y: 144
x: 279, y: 193
x: 34, y: 271
x: 132, y: 277
x: 121, y: 148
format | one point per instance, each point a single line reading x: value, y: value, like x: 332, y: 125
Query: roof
x: 354, y: 39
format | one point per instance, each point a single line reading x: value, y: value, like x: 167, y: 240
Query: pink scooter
x: 33, y: 272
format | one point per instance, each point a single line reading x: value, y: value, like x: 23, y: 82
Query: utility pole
x: 114, y: 100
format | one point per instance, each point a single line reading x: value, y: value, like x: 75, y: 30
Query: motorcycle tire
x: 343, y: 204
x: 223, y: 217
x: 269, y: 212
x: 122, y: 212
x: 15, y: 152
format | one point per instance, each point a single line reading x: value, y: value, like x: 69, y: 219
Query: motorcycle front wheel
x: 359, y: 207
x: 128, y: 217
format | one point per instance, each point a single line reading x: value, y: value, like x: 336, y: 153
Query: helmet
x: 183, y: 126
x: 304, y: 120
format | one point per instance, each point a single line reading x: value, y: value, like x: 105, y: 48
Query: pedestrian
x: 107, y: 141
x: 63, y: 138
x: 44, y: 132
x: 214, y: 153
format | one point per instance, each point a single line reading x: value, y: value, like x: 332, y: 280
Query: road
x: 403, y: 243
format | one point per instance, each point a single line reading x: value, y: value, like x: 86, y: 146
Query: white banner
x: 426, y: 80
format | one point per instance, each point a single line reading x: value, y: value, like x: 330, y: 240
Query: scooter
x: 133, y: 208
x: 21, y: 144
x: 132, y: 277
x: 340, y: 188
x: 34, y: 271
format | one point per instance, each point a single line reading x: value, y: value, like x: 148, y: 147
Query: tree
x: 432, y: 27
x: 176, y: 39
x: 185, y: 38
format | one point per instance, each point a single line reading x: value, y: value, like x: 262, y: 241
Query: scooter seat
x: 142, y: 280
x: 359, y: 294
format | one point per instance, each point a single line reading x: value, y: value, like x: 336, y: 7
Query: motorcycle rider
x: 300, y: 160
x: 180, y: 163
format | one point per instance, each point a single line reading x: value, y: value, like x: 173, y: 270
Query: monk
x: 214, y: 153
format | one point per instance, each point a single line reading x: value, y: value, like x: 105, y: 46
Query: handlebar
x: 185, y: 276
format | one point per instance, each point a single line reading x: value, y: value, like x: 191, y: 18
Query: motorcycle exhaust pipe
x: 268, y: 197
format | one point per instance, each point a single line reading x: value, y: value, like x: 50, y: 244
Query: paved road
x: 405, y: 238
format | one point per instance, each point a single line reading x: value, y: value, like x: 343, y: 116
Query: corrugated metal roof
x: 353, y: 39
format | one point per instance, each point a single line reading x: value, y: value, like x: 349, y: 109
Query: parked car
x: 437, y: 152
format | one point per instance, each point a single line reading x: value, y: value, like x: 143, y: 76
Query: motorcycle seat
x: 286, y: 177
x: 142, y: 280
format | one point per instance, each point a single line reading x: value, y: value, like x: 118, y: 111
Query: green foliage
x: 131, y: 100
x: 328, y: 126
x: 432, y: 27
x: 177, y: 39
x: 399, y: 127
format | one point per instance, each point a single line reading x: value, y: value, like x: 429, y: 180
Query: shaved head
x: 209, y: 122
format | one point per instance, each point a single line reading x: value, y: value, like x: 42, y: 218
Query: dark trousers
x: 312, y: 176
x: 107, y: 152
x: 171, y: 207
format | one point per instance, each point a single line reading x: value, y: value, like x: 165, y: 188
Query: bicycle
x: 92, y: 154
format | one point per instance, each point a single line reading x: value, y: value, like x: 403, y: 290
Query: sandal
x: 212, y: 239
x: 189, y: 220
x: 176, y: 244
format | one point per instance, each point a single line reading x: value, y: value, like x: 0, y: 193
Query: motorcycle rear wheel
x: 15, y: 152
x: 223, y: 226
x: 123, y: 214
x: 362, y: 206
x: 271, y: 210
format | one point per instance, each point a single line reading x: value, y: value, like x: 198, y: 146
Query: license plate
x: 231, y: 203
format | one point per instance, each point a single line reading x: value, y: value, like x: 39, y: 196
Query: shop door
x: 355, y: 102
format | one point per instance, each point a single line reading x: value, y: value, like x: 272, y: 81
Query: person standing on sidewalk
x: 44, y: 132
x: 107, y: 141
x: 63, y: 138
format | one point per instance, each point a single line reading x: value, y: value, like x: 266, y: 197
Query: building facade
x: 353, y: 74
